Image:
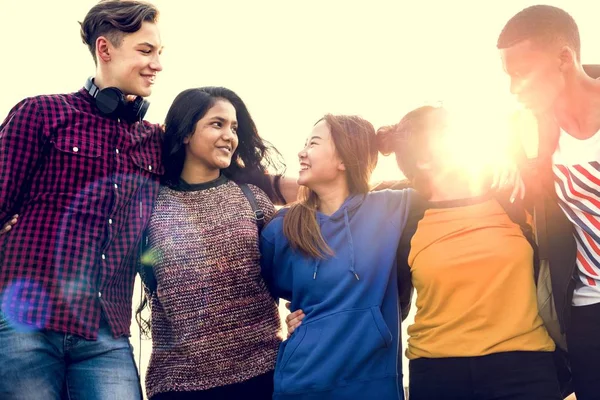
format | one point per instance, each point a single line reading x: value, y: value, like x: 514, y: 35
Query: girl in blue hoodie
x: 333, y: 255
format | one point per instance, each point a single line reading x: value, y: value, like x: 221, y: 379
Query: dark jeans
x: 43, y: 365
x: 507, y: 376
x: 257, y: 388
x: 583, y: 341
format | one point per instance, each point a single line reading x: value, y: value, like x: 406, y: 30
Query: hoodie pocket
x: 353, y: 345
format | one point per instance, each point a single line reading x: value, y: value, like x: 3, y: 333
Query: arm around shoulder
x: 275, y: 270
x: 21, y: 143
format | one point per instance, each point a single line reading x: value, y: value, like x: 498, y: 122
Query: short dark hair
x: 252, y: 159
x: 541, y: 24
x: 113, y: 19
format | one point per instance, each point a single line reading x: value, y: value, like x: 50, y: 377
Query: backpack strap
x: 518, y: 215
x: 258, y: 213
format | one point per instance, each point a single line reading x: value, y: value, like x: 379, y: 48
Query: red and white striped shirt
x: 577, y: 183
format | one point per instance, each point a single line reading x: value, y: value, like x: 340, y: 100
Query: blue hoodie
x: 348, y: 344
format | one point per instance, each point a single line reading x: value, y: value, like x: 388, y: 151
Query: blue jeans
x: 48, y: 365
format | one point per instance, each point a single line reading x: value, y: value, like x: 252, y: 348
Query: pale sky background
x: 291, y: 62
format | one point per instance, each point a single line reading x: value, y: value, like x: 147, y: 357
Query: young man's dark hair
x: 82, y: 171
x: 542, y: 25
x: 114, y: 19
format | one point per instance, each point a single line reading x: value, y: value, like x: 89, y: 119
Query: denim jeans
x: 48, y: 365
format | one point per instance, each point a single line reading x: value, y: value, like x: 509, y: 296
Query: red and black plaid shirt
x: 83, y: 186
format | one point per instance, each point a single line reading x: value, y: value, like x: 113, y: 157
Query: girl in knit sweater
x: 215, y: 327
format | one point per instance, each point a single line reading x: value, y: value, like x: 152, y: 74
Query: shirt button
x: 117, y: 151
x: 99, y: 294
x: 110, y: 221
x: 149, y: 167
x: 116, y: 186
x: 104, y: 256
x: 75, y: 149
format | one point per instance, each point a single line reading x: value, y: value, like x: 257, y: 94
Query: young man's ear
x: 567, y: 58
x: 103, y: 49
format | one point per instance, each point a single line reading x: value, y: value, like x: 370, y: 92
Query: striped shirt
x: 576, y: 165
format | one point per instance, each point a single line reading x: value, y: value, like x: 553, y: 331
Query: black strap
x: 517, y: 214
x: 258, y: 213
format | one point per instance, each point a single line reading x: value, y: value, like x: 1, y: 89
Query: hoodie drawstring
x: 350, y: 248
x: 350, y: 243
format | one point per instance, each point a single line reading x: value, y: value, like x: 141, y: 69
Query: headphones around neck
x: 112, y: 103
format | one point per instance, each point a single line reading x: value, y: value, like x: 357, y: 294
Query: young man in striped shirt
x: 540, y: 50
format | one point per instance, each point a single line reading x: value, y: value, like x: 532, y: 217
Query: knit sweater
x: 214, y: 322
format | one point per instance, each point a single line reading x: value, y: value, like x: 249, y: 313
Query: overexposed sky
x: 291, y: 62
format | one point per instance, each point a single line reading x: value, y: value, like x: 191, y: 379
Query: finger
x: 6, y: 228
x: 295, y: 315
x: 523, y: 189
x: 294, y: 324
x: 508, y: 180
x: 288, y: 305
x: 495, y: 180
x: 515, y: 190
x: 518, y: 189
x: 296, y: 321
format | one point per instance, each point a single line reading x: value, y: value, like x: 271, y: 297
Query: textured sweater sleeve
x: 276, y: 272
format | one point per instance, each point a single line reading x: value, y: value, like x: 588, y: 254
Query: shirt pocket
x: 76, y: 174
x: 76, y: 146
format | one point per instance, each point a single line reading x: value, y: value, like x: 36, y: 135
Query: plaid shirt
x: 83, y: 186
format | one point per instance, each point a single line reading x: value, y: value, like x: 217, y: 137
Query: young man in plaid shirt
x: 81, y: 170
